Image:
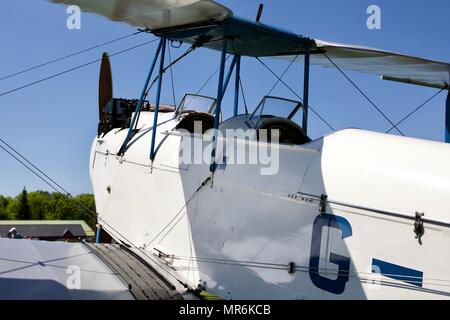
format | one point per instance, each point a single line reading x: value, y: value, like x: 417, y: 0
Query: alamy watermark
x: 374, y: 20
x: 73, y: 281
x: 231, y: 146
x: 73, y: 21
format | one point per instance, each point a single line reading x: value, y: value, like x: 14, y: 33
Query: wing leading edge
x: 389, y: 65
x: 154, y: 14
x: 216, y: 22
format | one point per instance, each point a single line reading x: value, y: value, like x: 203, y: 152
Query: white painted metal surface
x: 32, y: 269
x: 238, y: 235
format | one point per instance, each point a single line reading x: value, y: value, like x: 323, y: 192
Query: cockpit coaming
x: 279, y: 116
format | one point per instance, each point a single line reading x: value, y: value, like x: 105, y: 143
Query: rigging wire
x: 188, y: 51
x: 90, y: 211
x: 171, y: 78
x: 364, y: 95
x: 31, y: 164
x: 300, y: 268
x: 141, y: 251
x: 178, y: 214
x: 68, y: 56
x: 74, y: 68
x: 417, y: 109
x: 243, y: 95
x: 44, y: 177
x: 30, y: 169
x: 206, y: 82
x: 290, y: 89
x: 77, y: 202
x: 249, y: 264
x: 48, y: 181
x: 282, y: 75
x: 397, y: 214
x: 210, y: 78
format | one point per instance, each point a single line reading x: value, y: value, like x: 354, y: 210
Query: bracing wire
x: 210, y: 78
x: 172, y: 79
x: 78, y: 203
x: 138, y: 248
x: 243, y: 95
x: 363, y: 94
x: 30, y: 169
x: 290, y: 89
x: 416, y: 109
x: 67, y: 56
x: 44, y: 177
x: 303, y: 268
x: 171, y: 64
x: 73, y: 69
x: 237, y: 263
x: 178, y: 214
x: 282, y: 75
x: 206, y: 82
x: 31, y: 164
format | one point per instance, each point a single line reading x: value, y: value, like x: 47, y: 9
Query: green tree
x: 12, y: 209
x: 39, y: 204
x: 24, y: 211
x: 86, y: 209
x: 42, y: 205
x: 64, y: 209
x: 3, y: 208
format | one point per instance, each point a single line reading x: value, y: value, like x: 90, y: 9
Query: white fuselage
x: 238, y: 234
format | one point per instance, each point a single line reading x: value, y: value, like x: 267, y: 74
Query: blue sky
x: 53, y: 123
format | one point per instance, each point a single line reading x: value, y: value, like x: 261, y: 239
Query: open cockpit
x: 275, y: 116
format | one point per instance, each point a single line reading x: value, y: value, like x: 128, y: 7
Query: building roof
x: 46, y: 228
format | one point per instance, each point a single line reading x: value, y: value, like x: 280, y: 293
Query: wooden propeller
x: 105, y: 89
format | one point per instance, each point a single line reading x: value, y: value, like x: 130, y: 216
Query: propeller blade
x: 105, y: 89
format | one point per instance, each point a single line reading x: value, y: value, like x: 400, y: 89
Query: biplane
x: 352, y: 215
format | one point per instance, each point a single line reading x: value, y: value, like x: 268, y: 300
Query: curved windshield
x: 195, y: 102
x: 276, y: 107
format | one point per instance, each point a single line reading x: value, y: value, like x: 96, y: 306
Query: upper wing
x: 389, y: 65
x: 256, y: 39
x: 154, y: 14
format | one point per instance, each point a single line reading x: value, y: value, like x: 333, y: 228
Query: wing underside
x: 154, y: 14
x: 389, y: 65
x: 214, y: 22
